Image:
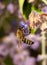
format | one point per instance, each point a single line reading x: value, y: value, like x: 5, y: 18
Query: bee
x: 22, y: 37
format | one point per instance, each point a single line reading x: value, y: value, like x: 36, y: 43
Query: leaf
x: 8, y: 61
x: 21, y: 2
x: 2, y: 33
x: 33, y: 31
x: 26, y: 7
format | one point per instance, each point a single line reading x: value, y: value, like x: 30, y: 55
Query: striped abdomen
x: 27, y: 41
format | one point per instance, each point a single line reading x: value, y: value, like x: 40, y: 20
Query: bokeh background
x: 14, y: 11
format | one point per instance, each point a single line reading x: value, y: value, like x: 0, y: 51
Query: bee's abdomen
x: 27, y: 41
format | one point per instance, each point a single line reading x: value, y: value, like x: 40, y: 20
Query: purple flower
x: 35, y: 46
x: 10, y: 8
x: 28, y: 22
x: 3, y: 50
x: 44, y: 9
x: 22, y: 23
x: 35, y: 39
x: 30, y: 61
x: 20, y: 57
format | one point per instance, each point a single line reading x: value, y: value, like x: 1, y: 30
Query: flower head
x: 10, y: 8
